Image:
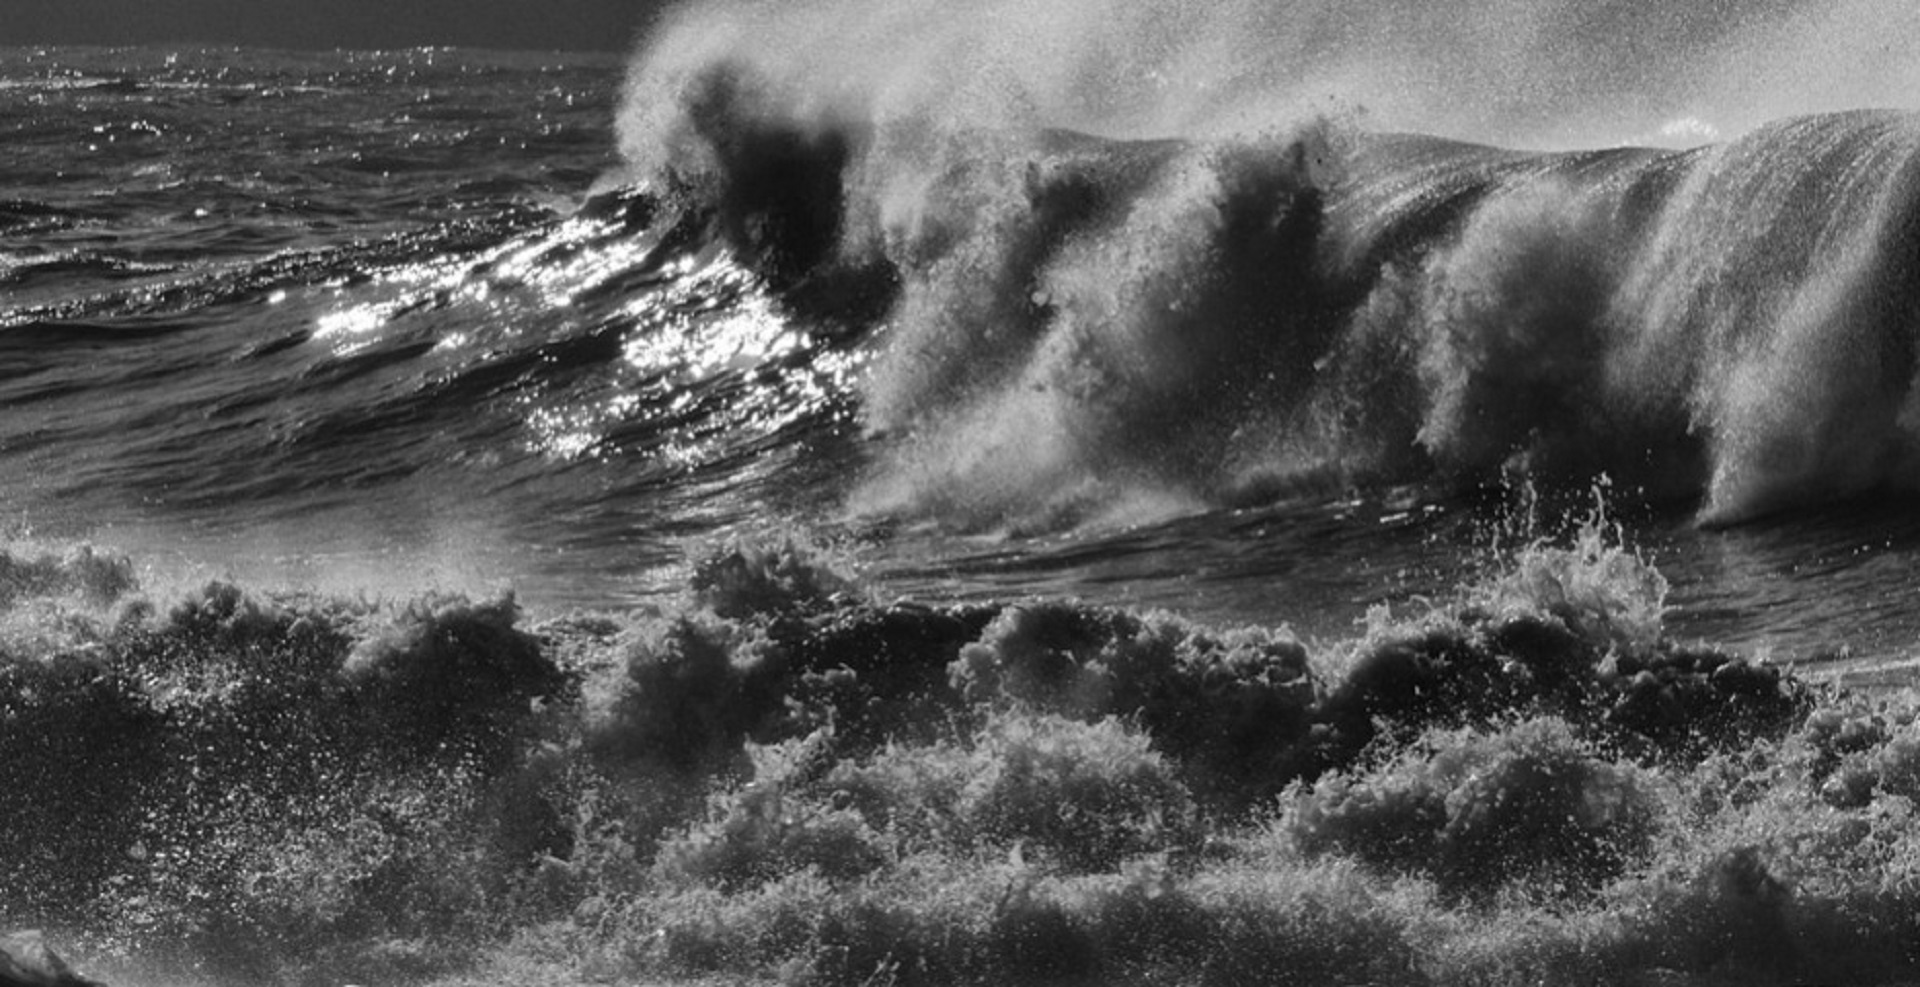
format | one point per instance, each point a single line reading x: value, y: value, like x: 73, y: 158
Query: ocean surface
x: 378, y: 322
x: 348, y: 335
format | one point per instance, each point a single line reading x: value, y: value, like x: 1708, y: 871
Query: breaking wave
x: 782, y: 777
x: 1069, y: 325
x: 1028, y: 266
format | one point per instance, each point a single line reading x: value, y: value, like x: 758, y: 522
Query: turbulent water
x: 972, y: 320
x: 362, y: 329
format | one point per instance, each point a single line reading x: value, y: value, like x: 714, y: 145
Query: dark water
x: 333, y: 345
x: 343, y: 321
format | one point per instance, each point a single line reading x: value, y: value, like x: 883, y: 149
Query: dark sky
x: 608, y: 25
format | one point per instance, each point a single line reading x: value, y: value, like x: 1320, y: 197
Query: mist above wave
x: 1286, y: 298
x: 1534, y: 75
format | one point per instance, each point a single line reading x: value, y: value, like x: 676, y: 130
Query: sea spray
x: 288, y: 801
x: 1596, y: 77
x: 735, y: 793
x: 1074, y: 327
x: 1588, y: 577
x: 220, y: 784
x: 1477, y: 812
x: 804, y: 860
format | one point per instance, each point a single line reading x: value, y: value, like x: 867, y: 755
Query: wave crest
x: 1068, y: 326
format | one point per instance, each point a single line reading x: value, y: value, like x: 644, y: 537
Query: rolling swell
x: 1076, y: 326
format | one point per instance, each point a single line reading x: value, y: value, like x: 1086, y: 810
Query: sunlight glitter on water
x: 691, y: 347
x: 352, y: 329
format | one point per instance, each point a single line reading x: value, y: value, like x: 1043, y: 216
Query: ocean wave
x: 948, y: 299
x: 765, y: 777
x: 1073, y: 324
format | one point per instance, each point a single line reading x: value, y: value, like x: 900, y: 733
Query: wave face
x: 1078, y: 325
x: 931, y: 301
x: 358, y: 327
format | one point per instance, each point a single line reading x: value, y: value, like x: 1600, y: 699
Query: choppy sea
x: 329, y: 346
x: 392, y: 321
